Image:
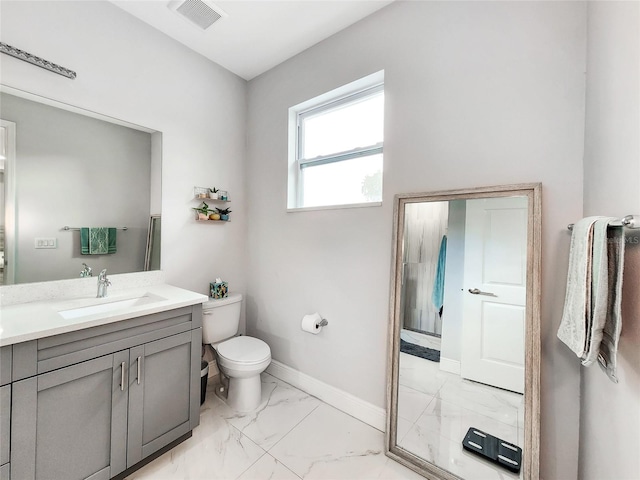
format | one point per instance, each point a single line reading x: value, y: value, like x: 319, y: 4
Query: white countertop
x: 30, y: 321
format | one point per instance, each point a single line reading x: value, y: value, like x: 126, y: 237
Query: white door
x: 495, y: 273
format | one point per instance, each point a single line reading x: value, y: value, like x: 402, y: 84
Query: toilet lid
x: 244, y: 349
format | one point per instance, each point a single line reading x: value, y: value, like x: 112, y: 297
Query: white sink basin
x: 109, y: 306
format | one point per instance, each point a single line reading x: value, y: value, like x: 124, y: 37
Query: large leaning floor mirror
x: 463, y: 391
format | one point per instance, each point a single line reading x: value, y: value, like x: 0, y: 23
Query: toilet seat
x: 243, y: 351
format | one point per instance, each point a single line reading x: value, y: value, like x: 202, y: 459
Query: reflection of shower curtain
x: 425, y: 225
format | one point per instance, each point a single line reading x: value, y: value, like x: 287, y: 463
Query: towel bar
x: 630, y: 221
x: 78, y: 228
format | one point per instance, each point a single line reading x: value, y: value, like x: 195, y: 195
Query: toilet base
x: 244, y: 394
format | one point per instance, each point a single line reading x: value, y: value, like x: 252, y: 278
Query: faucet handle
x: 86, y: 271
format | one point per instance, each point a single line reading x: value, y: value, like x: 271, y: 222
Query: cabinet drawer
x: 50, y: 353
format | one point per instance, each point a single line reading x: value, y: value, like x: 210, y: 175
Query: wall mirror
x: 464, y: 333
x: 65, y: 169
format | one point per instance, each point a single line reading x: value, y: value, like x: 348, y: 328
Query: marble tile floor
x: 436, y: 408
x: 290, y: 436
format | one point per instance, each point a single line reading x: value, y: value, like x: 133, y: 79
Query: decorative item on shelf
x: 200, y: 192
x: 222, y: 195
x: 224, y: 214
x: 214, y: 216
x: 219, y: 289
x: 213, y: 193
x: 202, y: 211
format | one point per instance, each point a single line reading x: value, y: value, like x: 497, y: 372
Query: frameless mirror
x: 463, y: 391
x: 72, y: 182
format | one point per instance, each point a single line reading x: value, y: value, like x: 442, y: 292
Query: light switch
x: 46, y: 242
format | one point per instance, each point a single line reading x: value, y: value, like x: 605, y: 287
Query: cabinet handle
x: 122, y: 376
x: 139, y: 358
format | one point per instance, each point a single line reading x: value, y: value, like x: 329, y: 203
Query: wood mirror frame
x: 530, y: 460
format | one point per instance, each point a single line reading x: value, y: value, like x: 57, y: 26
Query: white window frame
x: 350, y: 93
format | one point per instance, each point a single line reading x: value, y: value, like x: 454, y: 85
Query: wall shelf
x: 207, y: 199
x: 199, y: 191
x: 210, y: 204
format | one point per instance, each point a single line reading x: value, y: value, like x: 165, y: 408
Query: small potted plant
x: 224, y: 213
x: 202, y: 211
x: 213, y: 193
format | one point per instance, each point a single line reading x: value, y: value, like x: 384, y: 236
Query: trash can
x: 204, y: 376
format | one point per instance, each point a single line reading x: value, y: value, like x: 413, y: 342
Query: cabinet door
x: 5, y: 423
x: 81, y: 417
x: 162, y: 384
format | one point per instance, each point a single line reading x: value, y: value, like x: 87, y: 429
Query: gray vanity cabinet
x: 5, y: 415
x: 5, y: 410
x: 94, y: 403
x: 71, y: 423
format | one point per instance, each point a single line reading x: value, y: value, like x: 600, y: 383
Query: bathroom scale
x: 492, y: 448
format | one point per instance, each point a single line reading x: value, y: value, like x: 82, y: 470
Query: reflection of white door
x: 495, y: 267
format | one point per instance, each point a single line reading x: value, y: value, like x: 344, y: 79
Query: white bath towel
x: 599, y: 291
x: 613, y: 323
x: 591, y: 321
x: 577, y: 303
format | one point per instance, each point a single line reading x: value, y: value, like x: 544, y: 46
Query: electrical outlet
x: 50, y: 242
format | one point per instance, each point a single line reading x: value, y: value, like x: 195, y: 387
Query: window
x: 336, y: 141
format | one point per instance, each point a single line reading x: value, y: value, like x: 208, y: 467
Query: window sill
x: 334, y: 207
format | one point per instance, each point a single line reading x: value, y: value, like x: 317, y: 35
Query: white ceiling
x: 256, y: 35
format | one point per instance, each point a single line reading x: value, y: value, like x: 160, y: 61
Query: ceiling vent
x: 199, y: 12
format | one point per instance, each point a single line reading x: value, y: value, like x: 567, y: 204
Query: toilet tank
x: 221, y: 318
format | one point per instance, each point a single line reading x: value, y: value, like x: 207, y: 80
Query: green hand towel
x: 98, y: 241
x: 111, y: 248
x: 84, y: 241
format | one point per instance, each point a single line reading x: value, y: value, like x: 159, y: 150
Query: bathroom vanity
x: 91, y: 388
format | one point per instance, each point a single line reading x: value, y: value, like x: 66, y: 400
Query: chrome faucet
x: 103, y: 283
x: 86, y: 271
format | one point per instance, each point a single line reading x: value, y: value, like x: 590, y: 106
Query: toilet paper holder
x: 313, y: 323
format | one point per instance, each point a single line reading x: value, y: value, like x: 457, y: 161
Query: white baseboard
x: 448, y: 365
x: 346, y: 402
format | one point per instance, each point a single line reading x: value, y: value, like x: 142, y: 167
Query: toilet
x: 240, y: 358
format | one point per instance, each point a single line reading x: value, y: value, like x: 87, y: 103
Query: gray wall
x: 610, y: 413
x: 78, y: 171
x: 476, y: 93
